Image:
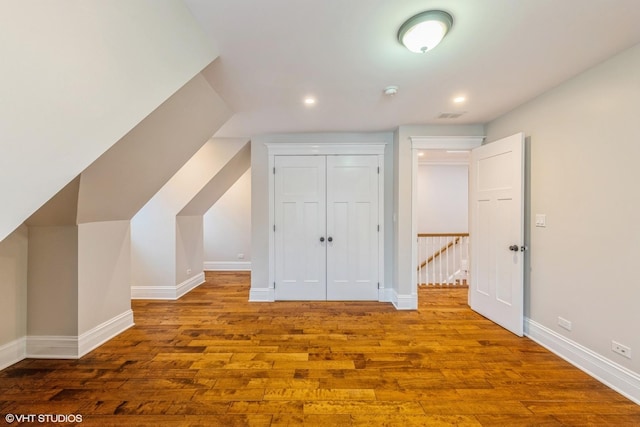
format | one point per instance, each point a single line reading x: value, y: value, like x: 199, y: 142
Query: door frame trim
x: 325, y: 149
x: 429, y: 143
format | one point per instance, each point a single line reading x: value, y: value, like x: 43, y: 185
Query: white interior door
x: 300, y: 221
x: 496, y: 205
x: 352, y: 227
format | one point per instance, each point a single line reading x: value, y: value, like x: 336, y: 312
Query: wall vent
x: 450, y: 115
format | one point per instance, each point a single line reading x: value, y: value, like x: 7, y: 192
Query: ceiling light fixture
x: 425, y: 30
x: 309, y: 100
x: 459, y: 99
x: 390, y: 90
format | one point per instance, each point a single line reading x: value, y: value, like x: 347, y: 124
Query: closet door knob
x: 322, y: 239
x: 330, y: 239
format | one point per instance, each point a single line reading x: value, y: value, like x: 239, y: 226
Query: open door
x: 496, y: 228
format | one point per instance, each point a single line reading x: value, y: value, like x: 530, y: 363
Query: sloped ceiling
x: 220, y: 183
x: 76, y: 77
x: 123, y: 179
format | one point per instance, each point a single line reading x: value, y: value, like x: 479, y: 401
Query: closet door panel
x: 352, y: 225
x: 300, y: 221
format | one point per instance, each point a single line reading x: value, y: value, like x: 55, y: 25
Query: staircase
x: 443, y: 259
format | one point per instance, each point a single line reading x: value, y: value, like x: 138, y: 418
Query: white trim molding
x: 262, y: 295
x: 189, y: 285
x: 102, y: 333
x: 446, y: 142
x: 300, y: 149
x: 167, y: 292
x: 13, y: 352
x: 404, y: 302
x: 608, y: 372
x: 325, y: 145
x: 72, y: 347
x: 385, y: 295
x: 52, y: 347
x: 227, y: 266
x: 153, y: 292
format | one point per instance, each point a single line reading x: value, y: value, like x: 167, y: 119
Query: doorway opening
x: 440, y: 240
x: 442, y: 218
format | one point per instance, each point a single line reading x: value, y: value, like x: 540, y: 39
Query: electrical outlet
x: 188, y: 271
x: 564, y: 323
x: 240, y: 256
x: 621, y: 349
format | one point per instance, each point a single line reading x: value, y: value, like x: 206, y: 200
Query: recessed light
x: 459, y: 99
x: 309, y: 100
x: 420, y: 153
x: 390, y: 90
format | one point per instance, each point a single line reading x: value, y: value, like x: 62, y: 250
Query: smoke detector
x: 390, y: 90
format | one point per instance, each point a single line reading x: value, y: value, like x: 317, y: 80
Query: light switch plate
x: 541, y: 220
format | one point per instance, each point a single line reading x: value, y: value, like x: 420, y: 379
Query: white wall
x: 189, y: 247
x: 443, y: 198
x: 153, y: 228
x: 104, y: 268
x: 52, y: 299
x: 227, y: 228
x: 76, y: 77
x: 584, y: 151
x: 13, y: 286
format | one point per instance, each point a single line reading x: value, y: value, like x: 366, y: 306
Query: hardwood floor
x: 213, y: 359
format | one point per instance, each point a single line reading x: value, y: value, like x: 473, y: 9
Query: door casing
x: 419, y: 143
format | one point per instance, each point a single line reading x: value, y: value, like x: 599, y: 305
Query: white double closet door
x: 326, y: 227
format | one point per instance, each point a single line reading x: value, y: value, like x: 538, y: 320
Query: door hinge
x: 378, y: 170
x: 274, y: 227
x: 274, y: 285
x: 378, y: 285
x: 274, y: 170
x: 378, y: 228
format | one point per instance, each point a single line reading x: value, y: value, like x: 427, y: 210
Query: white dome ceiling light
x: 424, y: 31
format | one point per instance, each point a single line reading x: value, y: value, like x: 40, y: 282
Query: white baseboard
x: 104, y: 332
x: 385, y: 295
x: 262, y: 295
x: 227, y: 266
x: 153, y: 292
x: 167, y: 292
x: 189, y: 284
x: 52, y: 347
x: 619, y: 378
x: 13, y: 352
x: 70, y: 347
x: 404, y: 302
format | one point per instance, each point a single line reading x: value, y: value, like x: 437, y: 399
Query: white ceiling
x: 499, y: 54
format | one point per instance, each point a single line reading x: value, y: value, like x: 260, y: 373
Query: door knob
x: 330, y: 239
x: 514, y: 248
x: 322, y: 239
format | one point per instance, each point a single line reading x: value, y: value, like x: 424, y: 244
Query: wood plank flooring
x: 214, y: 359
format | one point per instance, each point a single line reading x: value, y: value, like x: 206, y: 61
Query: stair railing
x: 443, y: 259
